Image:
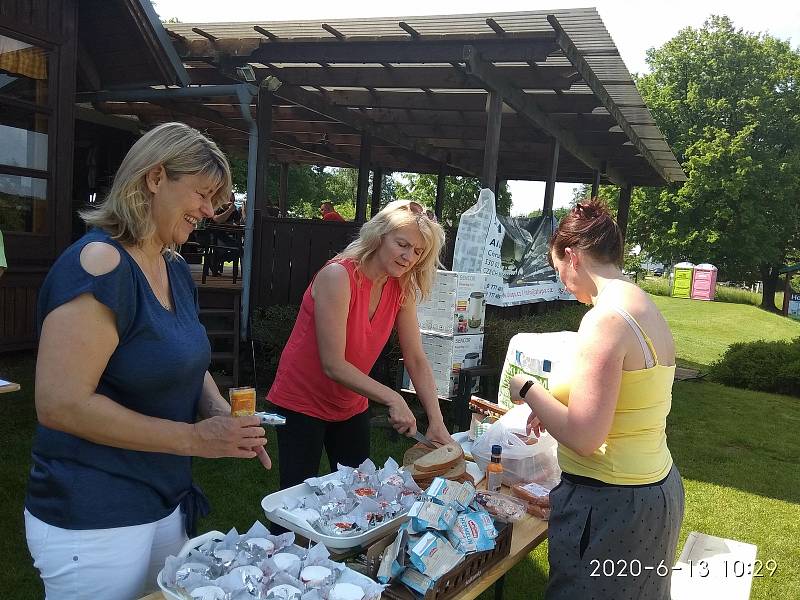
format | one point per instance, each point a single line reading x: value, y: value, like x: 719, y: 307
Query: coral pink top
x: 300, y: 383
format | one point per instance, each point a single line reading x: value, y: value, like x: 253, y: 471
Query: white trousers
x: 119, y: 563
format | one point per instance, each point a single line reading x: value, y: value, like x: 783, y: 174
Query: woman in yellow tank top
x: 616, y: 514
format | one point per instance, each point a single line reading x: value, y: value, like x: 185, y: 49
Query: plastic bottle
x: 494, y: 470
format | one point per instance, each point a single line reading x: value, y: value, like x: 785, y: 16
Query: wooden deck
x: 223, y: 282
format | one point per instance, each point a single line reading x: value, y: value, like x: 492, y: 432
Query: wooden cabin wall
x: 50, y: 24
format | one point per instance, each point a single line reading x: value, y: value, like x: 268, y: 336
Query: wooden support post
x: 625, y: 192
x: 595, y: 183
x: 787, y: 292
x: 363, y: 178
x: 492, y: 147
x: 264, y: 124
x: 497, y: 184
x: 377, y: 185
x: 439, y: 203
x: 550, y: 185
x: 283, y: 190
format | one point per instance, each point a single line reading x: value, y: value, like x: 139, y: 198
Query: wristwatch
x: 527, y: 386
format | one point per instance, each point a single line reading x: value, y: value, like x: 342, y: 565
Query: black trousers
x: 302, y: 438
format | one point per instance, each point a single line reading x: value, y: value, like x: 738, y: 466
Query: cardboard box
x: 447, y: 354
x: 457, y: 305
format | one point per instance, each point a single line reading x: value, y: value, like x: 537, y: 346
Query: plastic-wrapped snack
x: 533, y: 493
x: 250, y: 575
x: 473, y: 532
x: 345, y: 591
x: 315, y: 576
x: 287, y: 562
x: 434, y: 556
x: 340, y: 528
x: 451, y: 492
x: 393, y: 559
x: 284, y: 591
x: 416, y: 581
x: 431, y: 515
x: 271, y: 418
x: 208, y: 592
x: 502, y: 507
x: 189, y: 568
x: 540, y: 512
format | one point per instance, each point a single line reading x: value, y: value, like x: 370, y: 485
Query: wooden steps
x: 220, y: 313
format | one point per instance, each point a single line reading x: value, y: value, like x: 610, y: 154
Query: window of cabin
x: 25, y: 111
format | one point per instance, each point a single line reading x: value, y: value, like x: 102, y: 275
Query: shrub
x: 499, y: 331
x: 657, y: 286
x: 763, y: 366
x: 270, y: 330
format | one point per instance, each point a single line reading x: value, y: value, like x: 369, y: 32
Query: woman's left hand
x: 534, y: 425
x: 437, y: 432
x: 263, y: 456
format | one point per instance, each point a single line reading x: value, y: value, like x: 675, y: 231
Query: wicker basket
x: 450, y: 584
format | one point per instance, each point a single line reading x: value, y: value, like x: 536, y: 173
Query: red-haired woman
x: 621, y: 500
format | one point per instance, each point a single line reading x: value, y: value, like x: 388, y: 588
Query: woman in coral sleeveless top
x: 345, y: 319
x: 620, y: 501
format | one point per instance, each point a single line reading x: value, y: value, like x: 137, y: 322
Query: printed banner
x: 511, y: 251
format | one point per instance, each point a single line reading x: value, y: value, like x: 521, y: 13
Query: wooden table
x: 527, y: 534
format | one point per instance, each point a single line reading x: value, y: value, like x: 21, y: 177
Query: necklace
x: 160, y: 291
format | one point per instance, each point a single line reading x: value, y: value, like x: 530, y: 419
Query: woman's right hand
x: 225, y: 436
x: 400, y: 416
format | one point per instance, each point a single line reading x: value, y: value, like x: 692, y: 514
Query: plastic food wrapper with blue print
x: 441, y: 532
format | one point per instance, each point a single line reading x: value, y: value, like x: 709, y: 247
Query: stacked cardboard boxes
x: 452, y: 322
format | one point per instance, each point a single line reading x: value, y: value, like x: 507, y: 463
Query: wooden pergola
x: 540, y: 95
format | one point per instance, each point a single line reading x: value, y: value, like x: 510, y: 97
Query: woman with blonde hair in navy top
x: 123, y: 394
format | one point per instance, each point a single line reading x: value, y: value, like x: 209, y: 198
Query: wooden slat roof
x: 408, y: 76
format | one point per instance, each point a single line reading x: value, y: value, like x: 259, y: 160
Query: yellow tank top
x: 635, y: 451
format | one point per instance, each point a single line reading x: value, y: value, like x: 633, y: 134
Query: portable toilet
x: 682, y: 280
x: 704, y: 282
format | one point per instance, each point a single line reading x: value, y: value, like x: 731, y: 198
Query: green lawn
x: 737, y: 451
x: 703, y: 330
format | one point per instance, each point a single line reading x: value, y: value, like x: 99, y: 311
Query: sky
x: 635, y: 26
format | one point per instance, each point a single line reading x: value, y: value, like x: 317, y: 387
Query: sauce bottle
x: 494, y: 470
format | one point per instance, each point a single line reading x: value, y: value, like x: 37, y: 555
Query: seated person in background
x: 226, y: 215
x: 329, y: 213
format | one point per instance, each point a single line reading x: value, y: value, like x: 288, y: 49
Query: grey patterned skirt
x: 613, y: 542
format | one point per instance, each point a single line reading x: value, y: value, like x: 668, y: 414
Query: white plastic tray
x: 273, y: 506
x: 194, y: 543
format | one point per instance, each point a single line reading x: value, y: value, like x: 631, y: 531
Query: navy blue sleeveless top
x: 157, y: 370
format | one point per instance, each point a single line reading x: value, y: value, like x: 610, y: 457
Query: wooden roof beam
x: 333, y: 31
x: 267, y: 34
x: 360, y: 122
x: 526, y: 106
x: 422, y: 77
x: 390, y: 52
x: 574, y: 55
x: 495, y: 27
x: 409, y: 30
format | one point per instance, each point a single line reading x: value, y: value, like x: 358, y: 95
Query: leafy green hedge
x: 763, y: 366
x: 272, y: 326
x: 500, y: 331
x: 270, y: 329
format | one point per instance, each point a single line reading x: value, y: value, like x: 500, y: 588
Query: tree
x: 728, y: 103
x: 459, y: 194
